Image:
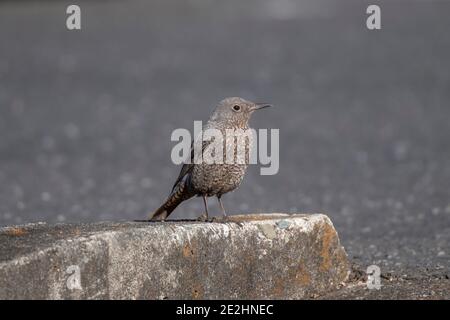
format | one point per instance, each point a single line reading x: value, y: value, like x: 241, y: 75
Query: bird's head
x: 236, y: 111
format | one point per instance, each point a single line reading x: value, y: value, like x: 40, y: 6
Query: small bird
x: 214, y: 179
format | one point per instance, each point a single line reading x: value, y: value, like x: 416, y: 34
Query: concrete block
x: 263, y: 256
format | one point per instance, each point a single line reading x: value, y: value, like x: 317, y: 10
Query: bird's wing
x: 187, y: 167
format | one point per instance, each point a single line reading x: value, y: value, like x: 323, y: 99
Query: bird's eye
x: 236, y: 108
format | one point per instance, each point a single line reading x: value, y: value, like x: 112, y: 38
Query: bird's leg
x: 221, y: 206
x: 224, y: 217
x: 206, y: 215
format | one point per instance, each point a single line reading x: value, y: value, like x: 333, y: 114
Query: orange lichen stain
x: 197, y: 291
x: 278, y: 288
x: 16, y: 232
x: 328, y: 236
x: 188, y: 252
x: 302, y: 277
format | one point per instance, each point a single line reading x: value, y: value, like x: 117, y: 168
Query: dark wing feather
x: 187, y: 167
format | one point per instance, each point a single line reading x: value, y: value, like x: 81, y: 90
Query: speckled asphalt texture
x: 364, y: 116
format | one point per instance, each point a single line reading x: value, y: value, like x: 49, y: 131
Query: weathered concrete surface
x: 252, y: 256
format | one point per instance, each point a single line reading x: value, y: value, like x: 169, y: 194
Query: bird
x: 205, y: 179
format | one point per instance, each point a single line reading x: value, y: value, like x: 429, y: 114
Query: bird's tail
x: 175, y: 198
x: 161, y: 214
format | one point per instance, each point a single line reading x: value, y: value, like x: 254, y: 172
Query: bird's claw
x: 203, y: 218
x: 221, y: 219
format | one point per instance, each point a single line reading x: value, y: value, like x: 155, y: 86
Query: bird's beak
x: 258, y: 106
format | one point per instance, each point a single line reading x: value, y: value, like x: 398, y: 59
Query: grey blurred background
x: 364, y: 116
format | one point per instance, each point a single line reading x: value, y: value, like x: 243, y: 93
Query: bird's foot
x: 221, y: 219
x: 203, y: 218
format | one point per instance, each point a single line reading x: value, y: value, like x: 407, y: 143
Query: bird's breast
x: 224, y: 162
x: 215, y: 179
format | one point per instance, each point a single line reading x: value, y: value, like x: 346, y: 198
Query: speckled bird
x: 206, y: 179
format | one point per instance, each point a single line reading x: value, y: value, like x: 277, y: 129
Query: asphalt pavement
x: 364, y: 116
